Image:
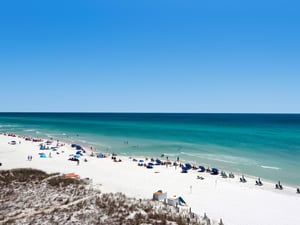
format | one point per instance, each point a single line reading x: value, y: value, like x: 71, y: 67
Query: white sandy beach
x: 236, y: 203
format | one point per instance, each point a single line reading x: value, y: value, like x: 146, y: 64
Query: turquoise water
x: 264, y: 145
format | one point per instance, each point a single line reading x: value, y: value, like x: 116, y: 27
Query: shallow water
x: 264, y: 145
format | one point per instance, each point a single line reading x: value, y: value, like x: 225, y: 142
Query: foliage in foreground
x: 32, y: 196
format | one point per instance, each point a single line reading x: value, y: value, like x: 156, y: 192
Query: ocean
x: 260, y: 145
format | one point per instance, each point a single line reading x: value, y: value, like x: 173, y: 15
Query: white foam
x: 270, y: 167
x: 29, y: 130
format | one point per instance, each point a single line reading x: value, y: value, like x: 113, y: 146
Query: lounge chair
x: 278, y: 186
x: 243, y: 180
x: 258, y: 182
x: 223, y: 174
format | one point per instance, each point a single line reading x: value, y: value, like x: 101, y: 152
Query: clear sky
x: 150, y: 56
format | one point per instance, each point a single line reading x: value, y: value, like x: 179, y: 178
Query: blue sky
x: 150, y: 56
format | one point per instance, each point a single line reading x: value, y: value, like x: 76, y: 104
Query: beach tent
x: 150, y: 165
x: 214, y: 171
x: 78, y: 147
x: 188, y: 166
x: 158, y: 162
x: 201, y: 169
x: 78, y: 153
x: 100, y: 155
x: 184, y: 170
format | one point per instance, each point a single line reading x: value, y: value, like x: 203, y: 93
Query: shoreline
x: 239, y: 164
x: 218, y: 197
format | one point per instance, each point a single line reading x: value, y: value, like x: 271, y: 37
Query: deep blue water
x: 265, y: 145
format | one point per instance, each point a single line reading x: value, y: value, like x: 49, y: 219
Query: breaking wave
x: 270, y: 167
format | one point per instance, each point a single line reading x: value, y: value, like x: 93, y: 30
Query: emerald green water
x: 264, y: 145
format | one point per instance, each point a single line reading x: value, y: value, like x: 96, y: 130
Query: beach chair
x: 231, y: 175
x: 223, y: 174
x: 258, y: 182
x: 278, y: 186
x: 243, y: 180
